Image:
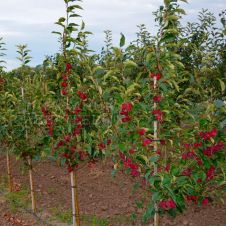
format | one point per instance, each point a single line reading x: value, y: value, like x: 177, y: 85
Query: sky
x: 32, y: 21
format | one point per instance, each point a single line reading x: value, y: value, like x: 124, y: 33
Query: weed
x: 18, y: 200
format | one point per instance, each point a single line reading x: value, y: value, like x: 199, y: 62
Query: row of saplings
x: 176, y: 166
x: 195, y: 170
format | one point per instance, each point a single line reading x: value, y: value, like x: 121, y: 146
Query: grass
x: 94, y: 220
x: 18, y: 200
x: 65, y: 216
x: 52, y: 190
x: 97, y: 221
x: 3, y: 183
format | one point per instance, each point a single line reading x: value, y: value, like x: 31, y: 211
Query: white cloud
x: 30, y: 11
x: 31, y: 21
x: 11, y: 64
x: 9, y: 33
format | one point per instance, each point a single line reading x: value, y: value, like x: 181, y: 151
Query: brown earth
x: 103, y: 199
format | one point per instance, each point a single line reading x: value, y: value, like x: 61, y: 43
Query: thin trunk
x: 75, y: 205
x: 10, y: 182
x: 58, y: 162
x: 33, y: 200
x: 156, y: 217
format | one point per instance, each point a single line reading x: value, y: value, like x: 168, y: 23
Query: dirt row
x: 103, y: 199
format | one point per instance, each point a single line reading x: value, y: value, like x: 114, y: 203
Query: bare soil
x: 103, y: 199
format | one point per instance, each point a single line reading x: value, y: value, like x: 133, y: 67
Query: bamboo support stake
x: 75, y: 205
x: 10, y: 182
x: 33, y: 200
x: 156, y: 216
x: 77, y: 202
x: 58, y: 163
x: 22, y: 92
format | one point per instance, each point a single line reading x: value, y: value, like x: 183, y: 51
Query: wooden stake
x: 22, y: 92
x: 156, y: 217
x: 58, y: 162
x: 33, y: 201
x: 75, y: 205
x: 10, y: 182
x: 77, y: 202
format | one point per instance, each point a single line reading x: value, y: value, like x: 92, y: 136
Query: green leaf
x: 163, y: 87
x: 149, y: 212
x: 172, y: 17
x: 203, y: 122
x: 122, y: 40
x: 171, y: 192
x: 130, y: 63
x: 73, y: 25
x: 154, y: 158
x: 74, y: 15
x: 26, y: 61
x: 56, y: 32
x: 181, y: 11
x: 155, y: 196
x: 61, y: 19
x: 172, y: 212
x: 122, y: 147
x: 181, y: 181
x: 176, y: 86
x: 83, y: 25
x: 168, y: 38
x: 58, y: 23
x: 71, y: 8
x: 222, y: 84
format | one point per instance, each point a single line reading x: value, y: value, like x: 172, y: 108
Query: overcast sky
x: 31, y: 21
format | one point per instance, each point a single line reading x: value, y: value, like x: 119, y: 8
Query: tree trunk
x: 9, y: 173
x: 33, y: 201
x: 75, y: 205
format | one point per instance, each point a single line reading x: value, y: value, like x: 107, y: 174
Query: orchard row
x: 156, y: 106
